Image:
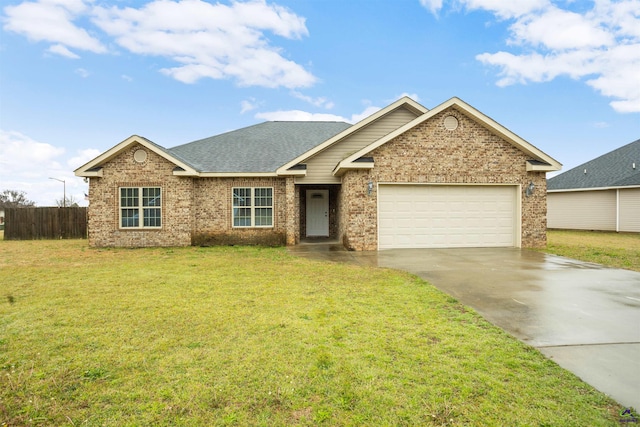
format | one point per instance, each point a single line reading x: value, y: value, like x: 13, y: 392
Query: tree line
x: 18, y: 199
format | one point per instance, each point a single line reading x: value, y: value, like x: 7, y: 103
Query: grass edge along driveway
x: 255, y: 336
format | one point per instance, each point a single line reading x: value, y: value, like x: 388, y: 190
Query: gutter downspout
x: 617, y: 210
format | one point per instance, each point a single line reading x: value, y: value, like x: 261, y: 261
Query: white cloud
x: 203, y: 39
x: 52, y: 21
x: 83, y: 156
x: 82, y: 72
x: 126, y: 78
x: 600, y: 46
x: 560, y: 29
x: 433, y: 5
x: 61, y: 50
x: 318, y: 102
x: 298, y: 115
x: 248, y: 105
x: 211, y: 40
x: 506, y: 9
x: 21, y: 156
x: 28, y: 165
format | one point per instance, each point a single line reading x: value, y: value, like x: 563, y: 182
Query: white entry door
x: 317, y: 213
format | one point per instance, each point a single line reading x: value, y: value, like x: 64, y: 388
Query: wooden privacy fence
x: 45, y: 223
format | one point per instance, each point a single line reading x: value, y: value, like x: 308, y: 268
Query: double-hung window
x: 253, y: 207
x: 140, y: 207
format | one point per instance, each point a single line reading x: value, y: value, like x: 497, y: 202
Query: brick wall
x: 194, y: 210
x: 430, y: 153
x: 213, y: 212
x: 125, y: 171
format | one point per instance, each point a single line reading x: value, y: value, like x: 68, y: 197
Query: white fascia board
x: 402, y: 102
x: 301, y: 172
x: 514, y: 139
x: 541, y: 168
x: 576, y: 190
x: 116, y: 150
x: 92, y: 174
x: 340, y: 169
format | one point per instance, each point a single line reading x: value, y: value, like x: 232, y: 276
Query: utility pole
x: 64, y: 189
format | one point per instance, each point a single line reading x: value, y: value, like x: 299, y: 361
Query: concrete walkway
x: 583, y: 316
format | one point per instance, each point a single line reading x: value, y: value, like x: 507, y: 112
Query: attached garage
x: 447, y: 216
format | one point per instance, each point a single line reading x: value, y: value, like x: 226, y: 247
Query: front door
x: 317, y: 213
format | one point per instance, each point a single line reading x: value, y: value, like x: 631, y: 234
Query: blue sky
x: 79, y: 76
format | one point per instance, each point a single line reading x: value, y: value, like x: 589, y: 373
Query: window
x: 140, y: 207
x: 253, y: 207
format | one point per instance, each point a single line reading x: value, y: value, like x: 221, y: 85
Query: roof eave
x: 575, y: 190
x: 343, y: 167
x: 542, y: 168
x: 237, y: 174
x: 85, y: 170
x: 93, y: 173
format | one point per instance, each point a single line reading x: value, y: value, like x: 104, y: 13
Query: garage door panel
x: 430, y: 216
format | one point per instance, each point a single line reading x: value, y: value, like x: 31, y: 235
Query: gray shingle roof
x: 614, y: 169
x: 259, y: 148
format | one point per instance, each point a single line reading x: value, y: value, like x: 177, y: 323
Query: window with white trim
x: 140, y: 207
x: 253, y: 207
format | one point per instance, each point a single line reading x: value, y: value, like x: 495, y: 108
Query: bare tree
x: 15, y: 199
x: 70, y: 201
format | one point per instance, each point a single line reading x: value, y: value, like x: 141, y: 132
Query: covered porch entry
x: 318, y: 212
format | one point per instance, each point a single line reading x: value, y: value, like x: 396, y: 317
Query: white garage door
x: 446, y: 216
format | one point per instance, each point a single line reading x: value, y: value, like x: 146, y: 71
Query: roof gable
x: 542, y: 161
x: 93, y: 168
x: 617, y: 168
x: 404, y: 102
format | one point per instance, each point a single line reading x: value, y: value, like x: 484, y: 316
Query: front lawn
x: 620, y: 250
x: 254, y: 336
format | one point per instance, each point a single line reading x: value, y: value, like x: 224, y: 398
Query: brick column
x: 292, y: 214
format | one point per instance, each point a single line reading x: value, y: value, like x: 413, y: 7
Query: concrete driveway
x: 583, y: 316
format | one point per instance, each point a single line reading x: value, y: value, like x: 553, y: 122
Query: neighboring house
x: 405, y: 177
x: 602, y: 194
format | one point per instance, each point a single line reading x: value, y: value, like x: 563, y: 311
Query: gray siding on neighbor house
x: 582, y: 210
x: 629, y: 206
x: 320, y: 166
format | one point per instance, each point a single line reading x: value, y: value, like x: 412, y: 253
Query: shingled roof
x: 255, y: 149
x: 618, y: 168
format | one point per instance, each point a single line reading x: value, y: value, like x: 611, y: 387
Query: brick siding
x: 430, y: 153
x: 199, y: 210
x: 194, y: 211
x: 123, y: 171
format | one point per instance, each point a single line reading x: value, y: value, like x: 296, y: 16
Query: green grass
x: 253, y: 336
x: 620, y: 250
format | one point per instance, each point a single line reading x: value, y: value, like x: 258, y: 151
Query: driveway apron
x: 583, y: 316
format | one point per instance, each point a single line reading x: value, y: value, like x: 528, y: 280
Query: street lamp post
x: 64, y: 189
